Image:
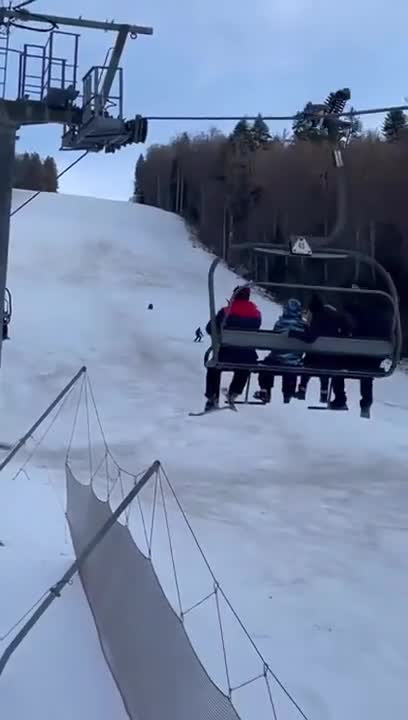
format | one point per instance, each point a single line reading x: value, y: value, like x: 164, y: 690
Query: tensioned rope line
x: 227, y: 601
x: 39, y: 192
x: 22, y: 470
x: 21, y: 619
x: 46, y: 432
x: 237, y: 118
x: 217, y: 590
x: 217, y: 594
x: 111, y: 482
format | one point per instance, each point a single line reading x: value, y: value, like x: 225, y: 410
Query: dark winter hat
x: 242, y: 293
x: 316, y: 303
x: 293, y: 307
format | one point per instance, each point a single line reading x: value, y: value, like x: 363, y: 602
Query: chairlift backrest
x: 268, y: 340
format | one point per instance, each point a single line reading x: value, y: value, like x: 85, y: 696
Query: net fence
x: 144, y: 641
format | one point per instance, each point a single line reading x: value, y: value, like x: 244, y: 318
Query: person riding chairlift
x: 368, y: 322
x: 324, y: 380
x: 240, y: 314
x: 291, y: 319
x: 326, y: 321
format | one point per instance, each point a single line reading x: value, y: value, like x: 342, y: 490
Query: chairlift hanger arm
x: 26, y: 16
x: 114, y: 63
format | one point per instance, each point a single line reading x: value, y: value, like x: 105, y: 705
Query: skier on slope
x: 198, y: 335
x: 291, y: 319
x: 240, y: 314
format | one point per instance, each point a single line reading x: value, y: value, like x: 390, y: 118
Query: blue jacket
x: 291, y: 319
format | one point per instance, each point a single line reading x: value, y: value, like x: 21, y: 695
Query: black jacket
x: 327, y: 322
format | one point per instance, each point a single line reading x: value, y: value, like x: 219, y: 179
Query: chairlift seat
x: 269, y: 340
x: 7, y: 308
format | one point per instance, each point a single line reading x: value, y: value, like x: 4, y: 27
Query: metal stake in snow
x: 56, y: 590
x: 47, y: 92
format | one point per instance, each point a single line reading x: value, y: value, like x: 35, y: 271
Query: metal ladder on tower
x: 4, y: 54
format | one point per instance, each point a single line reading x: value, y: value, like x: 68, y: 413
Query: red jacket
x: 240, y: 315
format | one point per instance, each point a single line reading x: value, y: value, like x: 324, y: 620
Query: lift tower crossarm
x: 26, y: 16
x: 33, y: 112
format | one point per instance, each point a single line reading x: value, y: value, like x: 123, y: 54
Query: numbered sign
x: 301, y: 247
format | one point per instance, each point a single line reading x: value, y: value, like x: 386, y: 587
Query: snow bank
x: 301, y: 513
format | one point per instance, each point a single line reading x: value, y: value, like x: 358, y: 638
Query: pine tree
x: 35, y: 172
x: 138, y: 194
x: 261, y: 136
x: 395, y: 125
x: 50, y: 175
x: 22, y: 172
x: 242, y: 135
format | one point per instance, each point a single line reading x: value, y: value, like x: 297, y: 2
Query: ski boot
x: 263, y: 395
x: 230, y: 398
x: 336, y: 405
x: 211, y: 404
x: 324, y: 397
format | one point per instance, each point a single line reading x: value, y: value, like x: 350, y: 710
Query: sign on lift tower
x: 91, y: 116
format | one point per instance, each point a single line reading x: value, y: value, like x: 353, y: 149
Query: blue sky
x: 230, y: 57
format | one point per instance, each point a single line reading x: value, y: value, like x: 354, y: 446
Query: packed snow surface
x: 301, y: 514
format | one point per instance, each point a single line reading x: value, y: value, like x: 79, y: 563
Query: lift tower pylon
x: 47, y: 92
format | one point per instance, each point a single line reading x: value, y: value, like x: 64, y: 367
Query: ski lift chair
x: 7, y: 313
x: 345, y: 350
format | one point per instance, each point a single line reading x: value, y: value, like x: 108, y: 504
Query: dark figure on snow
x: 150, y: 306
x: 326, y: 321
x: 240, y: 314
x: 198, y: 335
x: 291, y: 319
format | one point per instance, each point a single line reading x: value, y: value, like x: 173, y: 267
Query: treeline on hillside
x: 252, y: 186
x: 33, y: 173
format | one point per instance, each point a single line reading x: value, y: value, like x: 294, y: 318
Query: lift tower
x: 47, y: 92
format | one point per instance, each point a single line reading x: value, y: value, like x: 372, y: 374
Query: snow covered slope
x: 302, y: 514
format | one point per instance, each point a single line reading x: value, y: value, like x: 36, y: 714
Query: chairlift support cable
x: 271, y: 118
